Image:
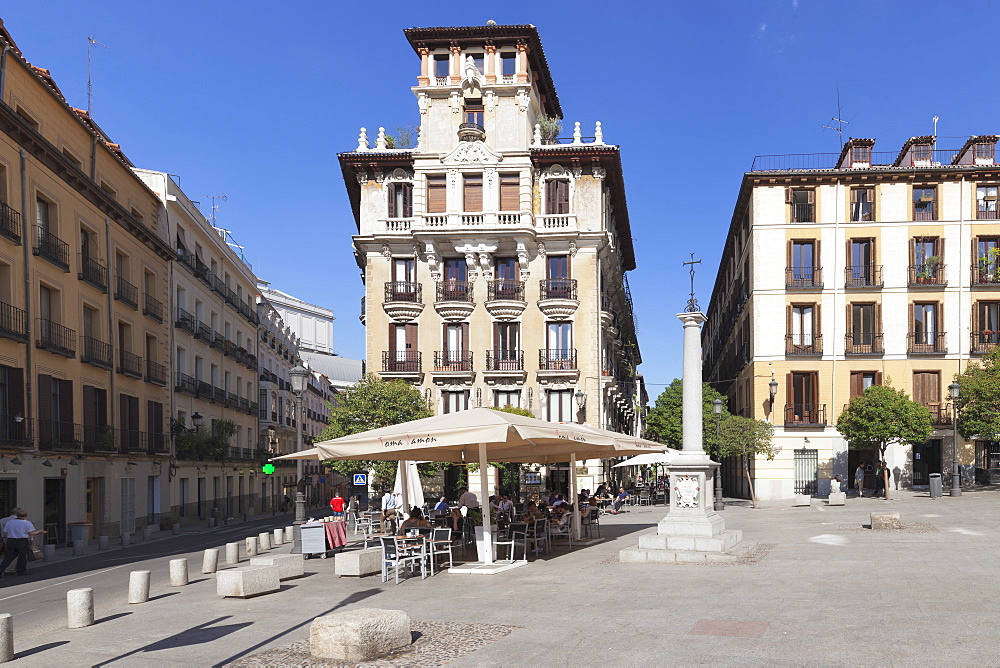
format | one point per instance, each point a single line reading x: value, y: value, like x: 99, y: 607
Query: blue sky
x: 254, y: 100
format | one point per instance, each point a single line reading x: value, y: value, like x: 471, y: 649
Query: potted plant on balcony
x: 549, y: 127
x: 927, y: 271
x: 989, y: 266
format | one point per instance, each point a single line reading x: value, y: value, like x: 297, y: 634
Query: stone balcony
x: 454, y: 300
x: 558, y: 298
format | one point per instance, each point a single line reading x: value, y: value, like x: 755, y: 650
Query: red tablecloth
x: 336, y: 534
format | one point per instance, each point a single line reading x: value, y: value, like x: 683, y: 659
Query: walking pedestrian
x: 18, y: 534
x: 859, y: 480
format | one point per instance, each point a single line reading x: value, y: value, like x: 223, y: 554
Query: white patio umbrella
x: 666, y: 458
x: 480, y: 434
x: 408, y: 486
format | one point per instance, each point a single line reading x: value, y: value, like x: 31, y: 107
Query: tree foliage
x: 203, y: 443
x: 664, y: 421
x: 746, y: 438
x: 978, y: 401
x: 883, y: 415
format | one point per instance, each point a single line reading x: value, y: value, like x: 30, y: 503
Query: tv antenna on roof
x: 215, y: 207
x: 90, y: 81
x: 840, y: 123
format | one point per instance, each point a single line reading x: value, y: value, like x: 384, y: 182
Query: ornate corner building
x: 493, y: 252
x: 890, y: 275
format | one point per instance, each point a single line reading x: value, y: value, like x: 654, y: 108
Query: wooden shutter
x: 473, y: 192
x: 811, y: 196
x: 411, y: 337
x: 124, y: 423
x: 510, y: 195
x: 392, y: 199
x: 436, y: 193
x: 44, y: 397
x: 15, y: 391
x: 878, y: 377
x: 817, y: 263
x: 817, y: 323
x: 857, y: 383
x: 89, y: 411
x: 407, y: 211
x: 65, y: 400
x: 789, y: 197
x: 465, y: 337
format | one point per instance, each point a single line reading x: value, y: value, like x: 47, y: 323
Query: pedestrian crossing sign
x: 360, y: 478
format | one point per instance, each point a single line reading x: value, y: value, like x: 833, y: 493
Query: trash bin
x: 935, y: 485
x: 79, y: 531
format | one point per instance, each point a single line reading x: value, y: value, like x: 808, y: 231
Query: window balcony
x: 60, y: 436
x: 558, y: 298
x: 984, y: 341
x: 929, y: 274
x: 219, y: 395
x: 398, y: 224
x: 152, y: 307
x: 126, y: 293
x: 506, y: 290
x: 453, y: 360
x: 986, y: 274
x: 13, y: 323
x: 96, y: 352
x: 562, y: 221
x: 403, y: 300
x: 805, y: 415
x: 94, y: 272
x: 401, y: 361
x: 987, y: 210
x: 55, y: 338
x: 129, y: 364
x: 803, y: 278
x: 10, y: 223
x: 205, y: 391
x: 804, y: 344
x: 185, y: 384
x: 454, y: 291
x: 156, y: 373
x: 185, y: 321
x: 926, y: 343
x: 869, y: 276
x: 204, y: 333
x: 940, y: 414
x: 505, y: 360
x: 156, y: 442
x: 863, y: 343
x: 130, y: 441
x: 51, y: 247
x: 471, y: 132
x: 557, y: 359
x: 15, y: 432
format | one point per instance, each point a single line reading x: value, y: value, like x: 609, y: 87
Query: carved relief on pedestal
x: 686, y: 491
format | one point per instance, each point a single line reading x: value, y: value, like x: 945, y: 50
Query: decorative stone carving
x: 479, y: 397
x: 400, y: 174
x: 386, y: 251
x: 597, y: 170
x: 456, y: 102
x: 454, y: 311
x: 472, y: 152
x: 490, y: 98
x: 598, y: 133
x: 577, y: 135
x: 470, y: 262
x: 453, y: 177
x: 379, y: 176
x: 505, y: 309
x: 362, y: 175
x: 402, y: 311
x: 536, y: 139
x: 522, y: 99
x: 363, y: 140
x: 487, y: 267
x: 686, y: 491
x: 572, y: 249
x: 422, y: 103
x: 380, y: 143
x: 430, y: 252
x: 541, y: 249
x: 558, y: 309
x: 577, y: 168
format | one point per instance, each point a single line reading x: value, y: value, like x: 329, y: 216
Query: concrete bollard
x: 232, y: 553
x: 77, y: 548
x: 79, y: 608
x: 175, y: 528
x: 126, y: 539
x: 289, y: 534
x: 211, y: 522
x: 252, y: 550
x: 103, y: 542
x: 178, y: 572
x: 210, y: 562
x: 138, y: 586
x: 279, y: 537
x: 147, y: 533
x: 6, y: 637
x: 48, y: 552
x: 264, y: 542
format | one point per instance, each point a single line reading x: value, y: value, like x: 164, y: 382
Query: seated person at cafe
x: 619, y: 501
x: 531, y: 512
x: 506, y: 506
x: 562, y: 518
x: 558, y: 500
x: 442, y: 505
x: 456, y: 519
x: 415, y: 520
x: 467, y: 498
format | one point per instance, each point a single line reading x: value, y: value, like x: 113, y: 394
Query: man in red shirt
x: 337, y: 505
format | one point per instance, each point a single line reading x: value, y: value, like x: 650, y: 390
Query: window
x: 802, y: 407
x: 927, y: 388
x: 861, y: 154
x: 557, y: 196
x: 559, y: 405
x: 987, y: 261
x: 557, y: 266
x: 986, y: 202
x: 861, y: 271
x: 455, y: 343
x: 44, y: 215
x: 925, y: 325
x: 507, y: 346
x: 474, y: 112
x: 508, y: 63
x: 864, y: 335
x: 862, y: 204
x: 472, y: 199
x: 437, y: 187
x: 503, y: 398
x: 510, y: 192
x: 924, y: 203
x: 560, y: 353
x: 803, y: 328
x: 455, y: 286
x: 11, y: 403
x: 986, y: 326
x: 921, y: 154
x: 925, y: 260
x: 441, y: 64
x: 112, y: 192
x: 452, y: 402
x: 28, y: 118
x: 984, y: 152
x: 803, y: 204
x: 55, y: 410
x: 862, y: 380
x: 805, y: 462
x: 403, y: 353
x: 72, y: 158
x: 400, y: 200
x: 804, y: 270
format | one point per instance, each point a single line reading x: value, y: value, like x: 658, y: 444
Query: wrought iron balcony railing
x: 152, y: 307
x: 557, y: 359
x: 927, y: 274
x: 15, y: 431
x: 940, y: 413
x: 185, y: 384
x: 13, y: 323
x: 803, y: 277
x: 51, y: 247
x: 129, y: 364
x: 402, y: 291
x: 505, y: 289
x: 452, y: 360
x: 401, y: 361
x: 454, y: 291
x: 558, y: 288
x: 863, y: 276
x: 10, y: 223
x: 55, y: 338
x: 185, y: 321
x: 805, y: 415
x: 96, y: 352
x: 804, y: 344
x: 125, y: 292
x: 93, y: 271
x: 926, y: 343
x: 505, y: 360
x: 986, y: 273
x: 156, y: 373
x: 985, y: 340
x: 863, y: 343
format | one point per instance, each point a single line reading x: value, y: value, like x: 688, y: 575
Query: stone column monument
x: 692, y: 531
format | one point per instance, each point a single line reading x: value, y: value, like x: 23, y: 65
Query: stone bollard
x: 178, y: 572
x: 210, y: 562
x: 103, y: 542
x: 147, y: 533
x: 279, y: 537
x: 138, y: 586
x: 48, y: 552
x: 232, y: 553
x: 6, y: 637
x: 264, y: 541
x: 252, y: 550
x: 77, y: 548
x: 289, y: 534
x: 126, y: 539
x: 211, y: 522
x: 79, y: 608
x: 175, y: 528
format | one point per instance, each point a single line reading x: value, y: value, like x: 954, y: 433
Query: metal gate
x: 806, y: 471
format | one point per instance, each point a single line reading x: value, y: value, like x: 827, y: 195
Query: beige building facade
x: 494, y: 253
x: 842, y: 271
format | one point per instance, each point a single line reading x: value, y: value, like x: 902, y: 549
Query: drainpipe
x: 29, y: 350
x: 3, y: 70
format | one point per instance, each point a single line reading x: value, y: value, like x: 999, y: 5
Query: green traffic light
x: 268, y: 469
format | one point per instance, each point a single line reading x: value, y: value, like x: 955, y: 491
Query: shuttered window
x: 400, y: 200
x: 557, y: 196
x: 437, y: 200
x: 927, y: 387
x: 862, y: 380
x: 473, y: 192
x: 510, y: 192
x: 862, y: 204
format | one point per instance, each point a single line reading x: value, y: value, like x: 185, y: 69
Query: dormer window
x: 921, y: 154
x: 861, y: 154
x: 984, y: 152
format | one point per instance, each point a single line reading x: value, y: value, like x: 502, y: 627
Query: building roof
x: 499, y: 35
x: 339, y: 370
x: 283, y: 298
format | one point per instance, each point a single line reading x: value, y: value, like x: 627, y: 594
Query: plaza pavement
x: 826, y: 593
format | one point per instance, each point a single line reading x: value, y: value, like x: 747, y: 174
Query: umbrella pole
x: 484, y: 503
x: 573, y: 496
x: 403, y: 473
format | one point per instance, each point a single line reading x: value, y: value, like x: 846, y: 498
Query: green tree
x: 371, y: 404
x: 978, y: 401
x: 745, y: 438
x: 663, y: 423
x: 880, y: 416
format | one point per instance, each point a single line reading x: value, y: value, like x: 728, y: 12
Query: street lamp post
x: 300, y: 376
x: 581, y: 400
x: 272, y: 441
x: 717, y: 409
x: 956, y: 475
